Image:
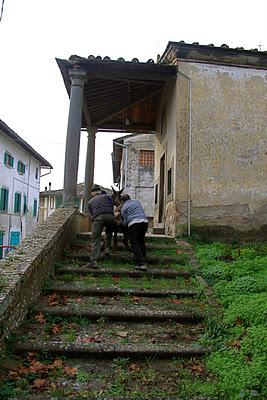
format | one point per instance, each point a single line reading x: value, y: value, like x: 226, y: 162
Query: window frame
x: 35, y: 207
x: 4, y: 195
x: 8, y: 160
x: 22, y: 170
x: 146, y: 158
x: 17, y: 203
x: 169, y: 181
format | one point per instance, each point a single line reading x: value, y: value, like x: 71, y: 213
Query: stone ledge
x: 24, y: 272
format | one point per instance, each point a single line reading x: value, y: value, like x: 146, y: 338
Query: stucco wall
x: 165, y: 143
x: 140, y: 179
x: 229, y: 152
x: 26, y: 184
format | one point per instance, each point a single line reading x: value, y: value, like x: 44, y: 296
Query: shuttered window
x: 25, y: 208
x: 34, y: 208
x: 4, y: 199
x: 8, y: 160
x: 21, y: 168
x: 17, y: 203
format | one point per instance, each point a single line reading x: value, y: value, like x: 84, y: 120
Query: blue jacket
x: 132, y: 212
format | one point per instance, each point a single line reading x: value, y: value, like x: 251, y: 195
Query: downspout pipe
x: 126, y: 162
x: 189, y: 155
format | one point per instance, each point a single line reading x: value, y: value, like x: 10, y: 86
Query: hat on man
x: 125, y: 197
x: 96, y: 188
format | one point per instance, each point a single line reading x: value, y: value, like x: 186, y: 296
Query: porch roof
x: 119, y: 95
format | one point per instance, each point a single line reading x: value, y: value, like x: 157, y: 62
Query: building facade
x: 50, y: 200
x: 20, y: 171
x: 211, y: 142
x: 133, y: 168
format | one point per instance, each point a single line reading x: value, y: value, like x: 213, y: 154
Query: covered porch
x: 107, y: 96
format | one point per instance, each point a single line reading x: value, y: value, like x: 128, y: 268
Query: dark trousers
x: 137, y: 239
x: 101, y: 221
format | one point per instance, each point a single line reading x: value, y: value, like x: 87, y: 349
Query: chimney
x: 45, y: 188
x: 49, y: 186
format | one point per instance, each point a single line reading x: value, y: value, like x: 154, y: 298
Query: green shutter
x: 5, y: 200
x: 2, y: 199
x: 34, y: 208
x: 11, y: 161
x: 24, y: 204
x: 5, y: 159
x: 17, y: 205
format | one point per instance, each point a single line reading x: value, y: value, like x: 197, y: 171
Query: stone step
x: 113, y: 379
x: 158, y: 273
x: 104, y: 351
x: 122, y: 258
x: 150, y: 238
x: 149, y: 246
x: 121, y: 314
x: 98, y: 291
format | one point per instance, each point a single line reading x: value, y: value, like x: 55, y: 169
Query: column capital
x: 78, y: 77
x: 91, y: 130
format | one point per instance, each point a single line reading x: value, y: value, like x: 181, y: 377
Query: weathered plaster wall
x: 165, y: 143
x: 229, y: 147
x: 24, y: 272
x: 140, y: 179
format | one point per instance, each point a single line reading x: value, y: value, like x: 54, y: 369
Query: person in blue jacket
x: 134, y: 216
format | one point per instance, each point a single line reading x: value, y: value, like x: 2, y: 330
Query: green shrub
x: 255, y: 342
x: 228, y: 291
x: 238, y: 379
x: 247, y: 310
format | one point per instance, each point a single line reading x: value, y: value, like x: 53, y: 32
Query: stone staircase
x: 116, y: 332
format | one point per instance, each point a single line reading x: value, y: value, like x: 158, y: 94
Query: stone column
x: 78, y: 78
x: 89, y: 167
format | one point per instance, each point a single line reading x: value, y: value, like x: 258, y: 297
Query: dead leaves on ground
x: 38, y: 373
x: 57, y: 300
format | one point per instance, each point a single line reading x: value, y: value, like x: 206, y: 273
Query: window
x: 17, y: 203
x: 146, y: 158
x: 21, y: 168
x: 8, y: 160
x: 4, y: 199
x: 25, y: 208
x: 169, y: 183
x: 156, y: 193
x: 36, y: 173
x: 52, y: 203
x: 34, y: 208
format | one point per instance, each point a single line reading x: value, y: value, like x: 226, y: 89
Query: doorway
x: 161, y: 187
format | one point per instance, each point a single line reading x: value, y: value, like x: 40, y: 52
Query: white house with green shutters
x: 20, y: 172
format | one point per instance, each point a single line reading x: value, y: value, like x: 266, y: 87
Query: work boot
x: 93, y: 264
x: 141, y: 267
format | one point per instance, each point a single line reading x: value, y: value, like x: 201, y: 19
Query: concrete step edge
x: 110, y: 351
x: 122, y: 314
x: 97, y: 291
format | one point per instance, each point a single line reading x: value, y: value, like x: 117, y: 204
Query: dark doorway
x: 161, y: 187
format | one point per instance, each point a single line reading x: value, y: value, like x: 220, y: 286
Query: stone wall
x: 24, y: 272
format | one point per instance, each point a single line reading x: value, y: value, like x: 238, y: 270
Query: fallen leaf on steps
x: 122, y: 334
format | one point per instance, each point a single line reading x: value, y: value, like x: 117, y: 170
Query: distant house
x: 20, y: 171
x: 133, y: 168
x: 50, y: 200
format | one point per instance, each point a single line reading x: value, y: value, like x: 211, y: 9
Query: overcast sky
x: 33, y: 99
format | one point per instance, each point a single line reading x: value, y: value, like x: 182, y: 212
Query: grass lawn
x: 238, y: 275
